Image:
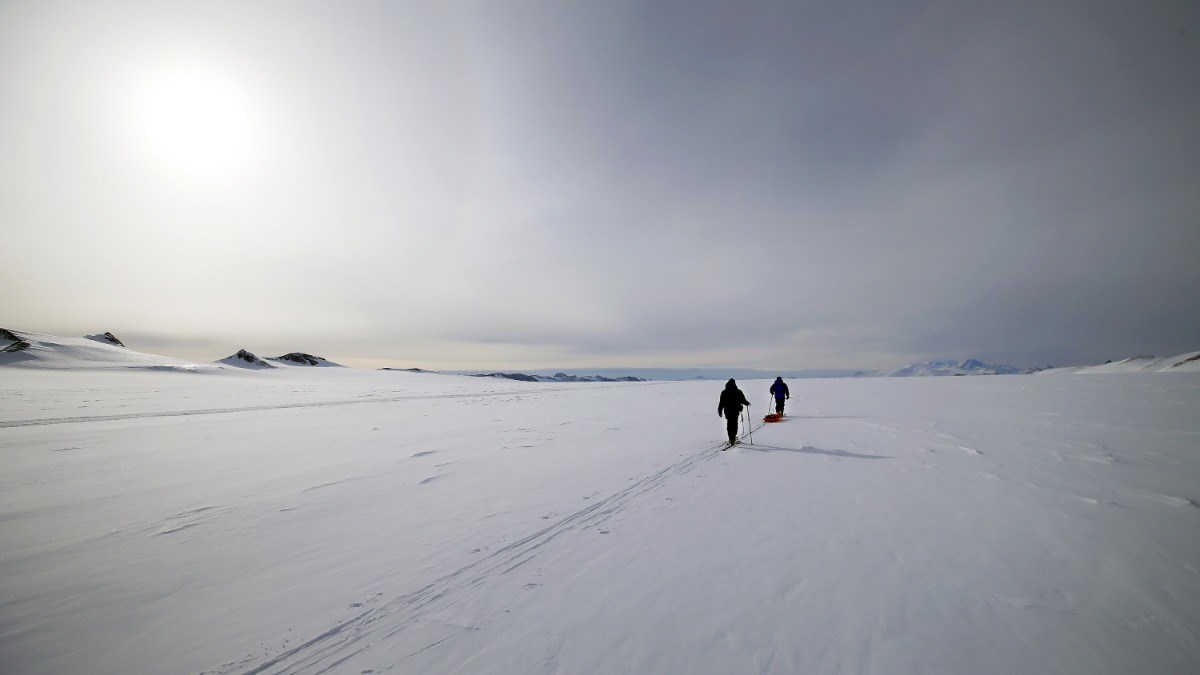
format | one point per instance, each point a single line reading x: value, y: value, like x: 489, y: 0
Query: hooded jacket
x: 779, y: 388
x: 732, y: 400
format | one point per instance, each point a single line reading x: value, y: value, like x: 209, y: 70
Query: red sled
x: 773, y: 417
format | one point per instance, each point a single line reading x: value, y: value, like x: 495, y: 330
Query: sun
x: 194, y: 119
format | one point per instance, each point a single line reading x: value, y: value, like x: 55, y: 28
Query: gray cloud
x: 680, y: 184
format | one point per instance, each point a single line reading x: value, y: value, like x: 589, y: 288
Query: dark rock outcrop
x: 106, y: 337
x: 17, y: 343
x: 301, y: 358
x: 509, y: 376
x: 250, y: 358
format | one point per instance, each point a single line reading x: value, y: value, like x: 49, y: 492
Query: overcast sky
x: 508, y: 184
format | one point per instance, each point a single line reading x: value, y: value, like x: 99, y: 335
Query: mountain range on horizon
x: 105, y: 350
x: 246, y: 359
x: 560, y: 377
x: 942, y: 368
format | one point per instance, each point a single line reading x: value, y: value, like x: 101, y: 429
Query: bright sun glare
x: 195, y: 120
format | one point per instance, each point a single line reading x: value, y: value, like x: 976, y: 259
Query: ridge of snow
x: 1188, y: 362
x: 93, y: 352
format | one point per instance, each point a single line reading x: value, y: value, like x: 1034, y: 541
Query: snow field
x: 348, y: 521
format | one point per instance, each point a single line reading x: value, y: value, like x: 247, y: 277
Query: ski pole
x: 749, y: 430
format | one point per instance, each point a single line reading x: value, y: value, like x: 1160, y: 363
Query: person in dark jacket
x: 780, y: 390
x: 732, y: 400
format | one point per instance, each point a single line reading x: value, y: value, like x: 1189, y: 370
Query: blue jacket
x: 779, y: 388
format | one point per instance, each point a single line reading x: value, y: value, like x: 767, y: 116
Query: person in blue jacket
x: 780, y: 391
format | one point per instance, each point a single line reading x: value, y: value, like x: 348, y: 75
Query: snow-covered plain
x: 298, y: 520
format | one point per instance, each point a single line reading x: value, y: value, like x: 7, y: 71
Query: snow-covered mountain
x: 102, y: 351
x: 1182, y: 363
x: 946, y: 367
x: 302, y: 359
x: 245, y: 359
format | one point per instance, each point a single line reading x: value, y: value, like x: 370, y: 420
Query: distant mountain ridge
x: 105, y: 351
x: 100, y: 351
x: 247, y: 359
x: 1187, y: 362
x: 559, y: 377
x: 943, y: 368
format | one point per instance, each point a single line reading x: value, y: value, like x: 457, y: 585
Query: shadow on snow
x: 810, y: 451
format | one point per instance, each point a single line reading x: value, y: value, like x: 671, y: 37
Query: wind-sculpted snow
x: 298, y: 520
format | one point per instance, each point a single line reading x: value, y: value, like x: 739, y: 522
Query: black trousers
x: 731, y: 424
x: 779, y: 406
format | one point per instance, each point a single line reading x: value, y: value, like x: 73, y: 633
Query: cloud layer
x: 781, y: 185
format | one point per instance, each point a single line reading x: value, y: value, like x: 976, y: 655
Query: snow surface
x: 304, y: 520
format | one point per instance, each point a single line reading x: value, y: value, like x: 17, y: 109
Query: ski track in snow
x: 256, y: 408
x: 345, y: 640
